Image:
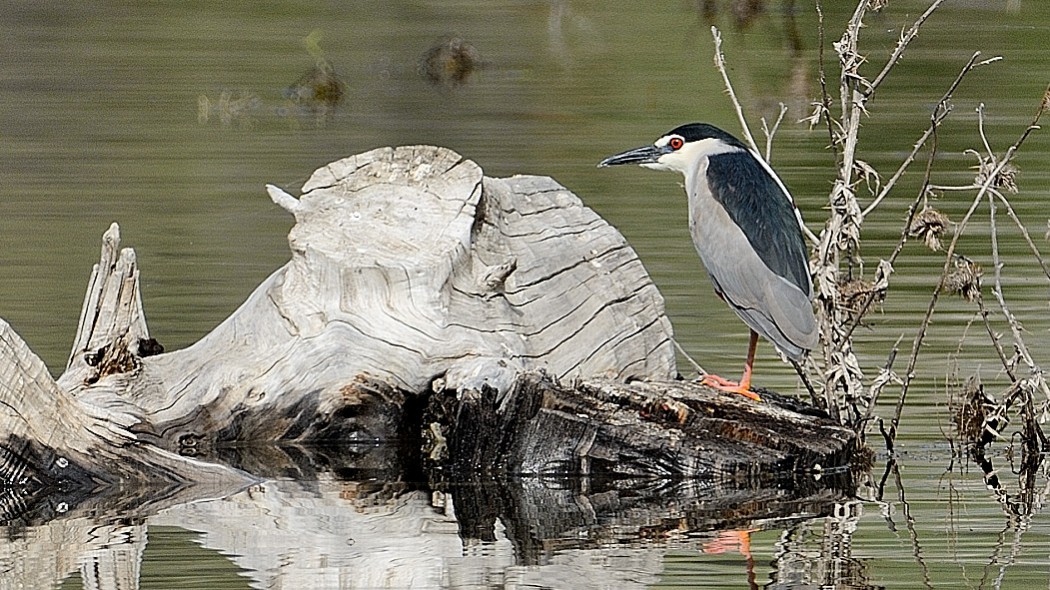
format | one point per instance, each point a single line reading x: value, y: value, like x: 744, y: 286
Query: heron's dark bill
x: 643, y: 155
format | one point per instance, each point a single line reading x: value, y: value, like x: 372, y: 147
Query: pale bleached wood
x: 108, y: 556
x: 339, y: 536
x: 71, y: 436
x: 115, y: 561
x: 405, y: 264
x: 513, y: 533
x: 112, y: 311
x: 70, y: 447
x: 34, y: 409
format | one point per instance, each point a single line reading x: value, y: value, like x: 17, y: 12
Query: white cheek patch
x: 692, y: 153
x: 678, y: 161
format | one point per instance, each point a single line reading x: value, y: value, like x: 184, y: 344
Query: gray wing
x: 762, y: 274
x: 758, y: 204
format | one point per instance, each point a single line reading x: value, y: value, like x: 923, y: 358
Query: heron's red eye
x: 676, y: 143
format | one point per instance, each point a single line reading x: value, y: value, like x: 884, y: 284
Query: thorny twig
x: 720, y: 63
x: 892, y: 433
x: 995, y: 338
x: 884, y: 378
x: 990, y: 179
x: 1024, y: 232
x: 824, y: 108
x: 902, y: 44
x: 769, y: 133
x: 841, y: 236
x: 940, y: 113
x: 1037, y: 379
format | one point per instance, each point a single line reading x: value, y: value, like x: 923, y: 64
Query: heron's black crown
x: 697, y: 131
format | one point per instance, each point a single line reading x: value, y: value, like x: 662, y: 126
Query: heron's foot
x: 723, y: 384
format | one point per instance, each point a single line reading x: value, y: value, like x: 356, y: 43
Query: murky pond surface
x: 170, y: 118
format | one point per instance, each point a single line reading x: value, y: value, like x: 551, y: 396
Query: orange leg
x: 739, y: 540
x: 743, y: 387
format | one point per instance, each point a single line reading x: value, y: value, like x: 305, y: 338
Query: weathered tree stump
x: 422, y: 300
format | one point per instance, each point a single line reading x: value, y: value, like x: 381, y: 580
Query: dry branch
x: 990, y: 178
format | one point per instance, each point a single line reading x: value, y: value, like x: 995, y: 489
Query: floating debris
x: 450, y: 62
x: 319, y: 89
x: 317, y: 92
x: 228, y: 108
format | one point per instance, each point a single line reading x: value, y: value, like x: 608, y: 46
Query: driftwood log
x: 498, y: 323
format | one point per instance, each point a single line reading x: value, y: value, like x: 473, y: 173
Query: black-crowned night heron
x: 748, y: 233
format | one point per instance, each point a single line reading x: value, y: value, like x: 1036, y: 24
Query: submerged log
x: 422, y: 300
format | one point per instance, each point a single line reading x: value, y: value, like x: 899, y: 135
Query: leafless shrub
x: 844, y: 292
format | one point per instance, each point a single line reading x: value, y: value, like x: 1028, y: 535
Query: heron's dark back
x: 758, y: 205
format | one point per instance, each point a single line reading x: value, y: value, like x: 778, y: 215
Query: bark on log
x: 659, y: 429
x: 414, y: 281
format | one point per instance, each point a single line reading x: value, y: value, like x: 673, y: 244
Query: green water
x: 100, y: 122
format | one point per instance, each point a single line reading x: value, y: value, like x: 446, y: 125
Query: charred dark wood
x: 663, y: 429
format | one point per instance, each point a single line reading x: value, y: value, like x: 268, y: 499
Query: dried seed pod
x: 929, y: 224
x: 853, y: 293
x: 1005, y: 179
x: 964, y: 279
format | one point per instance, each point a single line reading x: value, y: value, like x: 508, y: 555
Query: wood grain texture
x: 407, y: 266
